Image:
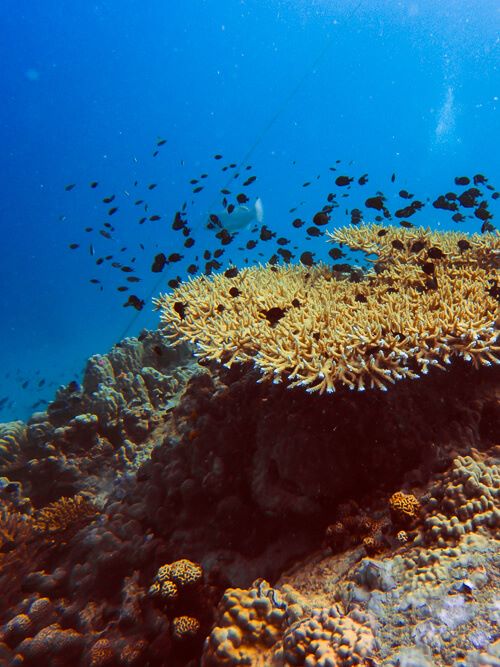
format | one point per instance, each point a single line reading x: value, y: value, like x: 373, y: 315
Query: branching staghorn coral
x: 429, y: 297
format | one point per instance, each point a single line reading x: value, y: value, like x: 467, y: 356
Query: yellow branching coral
x: 430, y: 297
x: 62, y: 518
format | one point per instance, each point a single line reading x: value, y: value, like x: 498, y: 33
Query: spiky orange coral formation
x: 62, y: 518
x: 430, y: 298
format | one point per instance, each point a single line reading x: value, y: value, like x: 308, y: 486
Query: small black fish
x: 198, y: 189
x: 161, y: 142
x: 435, y: 253
x: 375, y: 202
x: 360, y: 298
x: 174, y: 283
x: 250, y: 180
x: 69, y: 187
x: 108, y: 200
x: 104, y: 233
x: 218, y: 156
x: 286, y: 254
x: 159, y: 263
x: 94, y: 281
x: 178, y: 222
x: 231, y: 272
x: 94, y: 184
x: 122, y: 288
x: 336, y: 253
x: 127, y: 269
x: 462, y: 180
x: 225, y: 191
x: 133, y: 279
x: 153, y: 218
x: 113, y: 210
x: 417, y: 246
x: 241, y: 198
x: 180, y: 309
x: 407, y: 224
x: 192, y: 268
x: 393, y: 178
x: 135, y: 302
x: 321, y: 218
x: 251, y: 244
x: 343, y: 180
x: 463, y: 245
x: 362, y: 180
x: 266, y: 234
x: 74, y: 246
x: 230, y: 208
x: 89, y: 229
x: 234, y: 292
x: 428, y: 268
x: 298, y: 223
x: 189, y: 242
x: 404, y: 194
x: 175, y: 257
x: 218, y: 252
x: 274, y: 315
x: 314, y: 231
x: 283, y: 241
x: 307, y: 258
x: 397, y: 244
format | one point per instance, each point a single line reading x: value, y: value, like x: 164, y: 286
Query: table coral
x: 398, y: 321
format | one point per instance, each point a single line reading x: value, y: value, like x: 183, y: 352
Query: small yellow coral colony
x: 430, y: 297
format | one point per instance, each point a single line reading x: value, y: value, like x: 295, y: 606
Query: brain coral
x: 429, y: 298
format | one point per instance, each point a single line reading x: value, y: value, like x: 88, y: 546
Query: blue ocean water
x: 407, y: 88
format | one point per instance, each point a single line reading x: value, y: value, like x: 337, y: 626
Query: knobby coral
x: 429, y: 297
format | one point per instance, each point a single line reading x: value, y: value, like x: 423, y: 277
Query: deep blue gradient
x: 409, y: 87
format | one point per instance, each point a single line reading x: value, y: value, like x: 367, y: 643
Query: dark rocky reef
x: 204, y: 463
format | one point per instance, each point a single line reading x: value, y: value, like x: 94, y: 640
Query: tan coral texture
x: 429, y: 298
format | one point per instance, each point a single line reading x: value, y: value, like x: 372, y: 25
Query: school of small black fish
x: 470, y: 199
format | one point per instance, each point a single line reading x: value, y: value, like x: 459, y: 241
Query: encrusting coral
x: 429, y: 297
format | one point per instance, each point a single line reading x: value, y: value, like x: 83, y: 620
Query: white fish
x: 241, y: 216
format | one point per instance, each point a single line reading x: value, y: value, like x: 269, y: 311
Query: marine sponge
x: 62, y: 518
x: 172, y: 578
x: 428, y: 299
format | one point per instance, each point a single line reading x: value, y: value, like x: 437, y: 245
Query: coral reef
x: 427, y: 301
x: 144, y: 513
